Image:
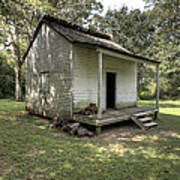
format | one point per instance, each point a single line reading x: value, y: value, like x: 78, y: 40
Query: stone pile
x: 73, y: 128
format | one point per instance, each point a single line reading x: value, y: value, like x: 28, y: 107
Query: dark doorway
x: 110, y: 90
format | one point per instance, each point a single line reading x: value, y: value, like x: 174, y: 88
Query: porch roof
x: 77, y: 34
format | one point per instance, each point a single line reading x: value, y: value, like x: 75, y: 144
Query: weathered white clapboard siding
x: 85, y: 66
x: 49, y: 56
x: 85, y: 71
x: 125, y: 80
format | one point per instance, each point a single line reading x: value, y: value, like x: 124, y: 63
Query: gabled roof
x: 77, y: 34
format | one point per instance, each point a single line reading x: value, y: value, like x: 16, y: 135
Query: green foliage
x: 166, y: 45
x: 120, y: 23
x: 80, y: 12
x: 30, y: 150
x: 7, y: 83
x: 134, y: 30
x: 149, y: 92
x: 19, y: 18
x: 155, y: 34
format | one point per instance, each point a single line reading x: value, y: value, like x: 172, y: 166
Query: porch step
x: 144, y: 113
x: 151, y: 124
x: 144, y: 120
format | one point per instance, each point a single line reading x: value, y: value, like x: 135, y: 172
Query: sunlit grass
x: 29, y: 149
x: 166, y: 107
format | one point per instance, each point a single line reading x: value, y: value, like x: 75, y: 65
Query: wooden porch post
x: 100, y: 59
x: 157, y: 87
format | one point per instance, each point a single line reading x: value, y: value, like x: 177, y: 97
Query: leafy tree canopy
x: 19, y: 18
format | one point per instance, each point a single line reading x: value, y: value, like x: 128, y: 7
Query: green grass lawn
x: 29, y: 149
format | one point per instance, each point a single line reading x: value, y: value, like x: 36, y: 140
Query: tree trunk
x: 18, y: 66
x: 18, y: 88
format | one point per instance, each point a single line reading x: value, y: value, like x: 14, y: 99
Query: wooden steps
x: 151, y: 124
x: 146, y: 113
x: 144, y: 119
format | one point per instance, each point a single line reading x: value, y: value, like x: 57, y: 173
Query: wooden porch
x: 113, y: 116
x: 142, y: 116
x: 100, y: 78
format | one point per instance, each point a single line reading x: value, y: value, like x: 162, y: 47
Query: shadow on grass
x: 29, y: 149
x: 40, y: 154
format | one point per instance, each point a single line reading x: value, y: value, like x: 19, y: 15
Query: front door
x: 110, y: 90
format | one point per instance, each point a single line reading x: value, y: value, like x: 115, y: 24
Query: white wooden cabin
x: 69, y: 67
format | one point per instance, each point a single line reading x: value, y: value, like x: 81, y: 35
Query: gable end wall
x: 50, y: 55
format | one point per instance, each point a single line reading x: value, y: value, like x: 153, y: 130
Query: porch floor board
x: 111, y: 116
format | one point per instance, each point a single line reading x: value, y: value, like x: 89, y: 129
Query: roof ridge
x: 76, y: 27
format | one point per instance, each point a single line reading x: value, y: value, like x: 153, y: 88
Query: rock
x: 65, y: 128
x: 90, y: 133
x: 73, y: 128
x: 81, y: 131
x: 59, y: 122
x: 84, y: 132
x: 51, y: 126
x: 73, y: 125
